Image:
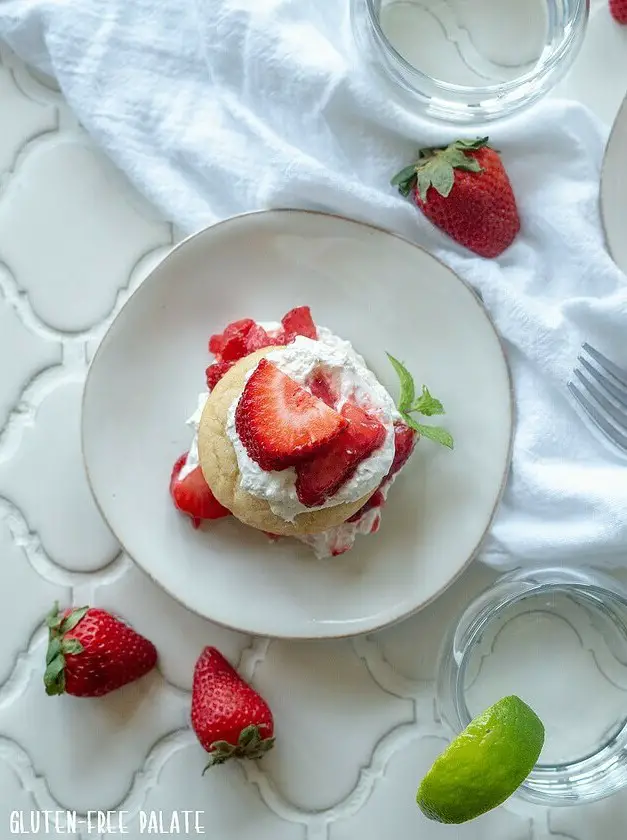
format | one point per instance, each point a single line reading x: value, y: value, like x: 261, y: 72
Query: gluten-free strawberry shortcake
x: 296, y: 437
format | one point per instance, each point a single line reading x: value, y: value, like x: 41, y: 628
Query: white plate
x: 383, y: 294
x: 614, y: 190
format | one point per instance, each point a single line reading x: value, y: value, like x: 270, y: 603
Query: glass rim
x: 540, y: 70
x: 595, y: 773
x: 492, y: 613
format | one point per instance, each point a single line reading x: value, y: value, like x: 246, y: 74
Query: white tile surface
x: 58, y: 506
x: 229, y: 804
x: 341, y: 713
x: 390, y: 809
x: 604, y: 820
x: 69, y: 235
x: 29, y: 119
x: 112, y: 736
x: 355, y: 719
x: 180, y: 638
x: 31, y: 353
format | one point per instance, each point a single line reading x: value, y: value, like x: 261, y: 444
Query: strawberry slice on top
x: 321, y: 477
x: 298, y: 321
x: 280, y: 423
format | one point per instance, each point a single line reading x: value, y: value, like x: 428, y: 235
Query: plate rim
x: 621, y: 115
x: 504, y: 478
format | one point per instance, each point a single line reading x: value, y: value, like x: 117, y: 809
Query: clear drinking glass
x: 469, y: 60
x: 557, y: 638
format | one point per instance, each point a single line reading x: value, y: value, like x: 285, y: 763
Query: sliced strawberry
x: 299, y: 322
x: 320, y: 386
x: 404, y: 443
x: 279, y: 338
x: 279, y: 422
x: 237, y: 328
x: 234, y: 340
x: 321, y: 477
x: 216, y: 342
x: 257, y: 339
x: 215, y: 372
x: 192, y: 495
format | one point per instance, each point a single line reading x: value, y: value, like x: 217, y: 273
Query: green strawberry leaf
x: 443, y: 179
x: 249, y: 737
x: 404, y: 175
x: 424, y: 182
x: 71, y: 646
x: 459, y: 160
x: 266, y: 744
x: 428, y: 405
x: 223, y: 747
x: 250, y: 744
x: 436, y: 167
x: 54, y: 649
x: 70, y: 622
x: 53, y: 619
x: 479, y: 143
x: 54, y: 677
x: 405, y: 180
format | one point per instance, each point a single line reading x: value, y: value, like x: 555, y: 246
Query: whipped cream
x: 350, y: 377
x: 329, y: 543
x: 339, y: 540
x: 355, y: 378
x: 193, y: 460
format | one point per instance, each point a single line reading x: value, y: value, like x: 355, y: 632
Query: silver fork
x: 604, y: 394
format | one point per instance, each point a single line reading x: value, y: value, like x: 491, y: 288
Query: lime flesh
x: 484, y: 765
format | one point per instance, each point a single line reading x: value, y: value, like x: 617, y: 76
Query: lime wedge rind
x: 484, y: 765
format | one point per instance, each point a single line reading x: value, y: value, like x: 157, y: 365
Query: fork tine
x: 615, y: 413
x: 619, y: 439
x: 619, y: 394
x: 610, y: 367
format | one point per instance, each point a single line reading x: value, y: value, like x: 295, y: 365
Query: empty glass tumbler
x: 557, y: 638
x: 469, y: 60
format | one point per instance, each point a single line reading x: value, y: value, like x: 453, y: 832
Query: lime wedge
x: 484, y: 765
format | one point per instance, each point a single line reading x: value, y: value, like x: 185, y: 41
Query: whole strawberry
x: 91, y: 653
x: 618, y: 10
x: 228, y: 716
x: 464, y: 190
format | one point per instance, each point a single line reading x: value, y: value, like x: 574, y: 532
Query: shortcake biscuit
x: 219, y: 465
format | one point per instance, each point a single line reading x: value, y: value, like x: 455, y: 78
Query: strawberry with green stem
x: 91, y: 652
x: 464, y: 190
x: 230, y: 719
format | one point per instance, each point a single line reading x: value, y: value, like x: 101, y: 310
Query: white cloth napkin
x: 214, y: 107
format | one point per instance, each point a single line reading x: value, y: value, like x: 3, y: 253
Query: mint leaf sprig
x: 425, y: 404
